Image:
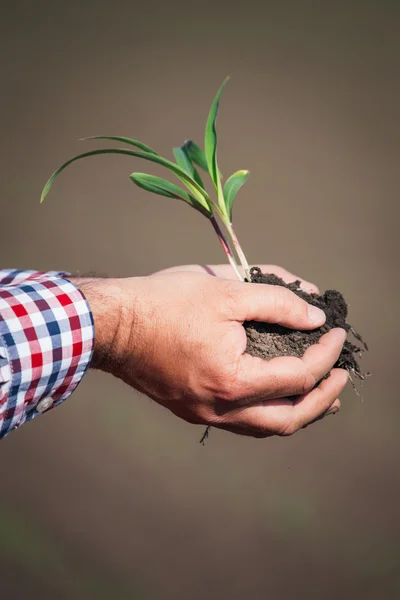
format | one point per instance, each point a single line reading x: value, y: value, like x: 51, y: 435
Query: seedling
x: 188, y: 158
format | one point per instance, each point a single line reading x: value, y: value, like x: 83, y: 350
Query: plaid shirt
x: 46, y: 343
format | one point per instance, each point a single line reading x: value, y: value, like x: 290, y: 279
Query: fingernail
x: 316, y: 315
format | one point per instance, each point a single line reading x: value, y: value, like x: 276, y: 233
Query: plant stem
x: 239, y: 251
x: 226, y: 248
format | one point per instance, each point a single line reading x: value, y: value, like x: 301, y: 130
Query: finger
x: 289, y: 277
x: 331, y: 411
x: 319, y: 401
x: 275, y: 304
x: 334, y: 408
x: 287, y: 375
x: 226, y: 272
x: 282, y: 416
x: 320, y: 358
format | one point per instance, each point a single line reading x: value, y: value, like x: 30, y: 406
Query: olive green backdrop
x: 110, y: 496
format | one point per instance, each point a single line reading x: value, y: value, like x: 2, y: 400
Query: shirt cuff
x: 46, y: 343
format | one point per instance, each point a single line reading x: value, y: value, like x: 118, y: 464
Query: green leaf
x: 197, y: 155
x: 211, y: 146
x: 124, y: 140
x: 231, y: 188
x: 192, y: 186
x: 159, y: 186
x: 183, y: 160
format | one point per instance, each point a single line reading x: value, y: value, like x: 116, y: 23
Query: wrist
x: 112, y: 315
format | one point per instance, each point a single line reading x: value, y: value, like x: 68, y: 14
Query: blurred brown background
x: 110, y: 496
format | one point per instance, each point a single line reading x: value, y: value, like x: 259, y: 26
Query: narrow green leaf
x: 162, y: 187
x: 193, y: 187
x: 196, y: 155
x: 231, y: 188
x: 184, y: 161
x: 124, y: 140
x: 210, y: 146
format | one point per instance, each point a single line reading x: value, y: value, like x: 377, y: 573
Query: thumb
x: 276, y: 304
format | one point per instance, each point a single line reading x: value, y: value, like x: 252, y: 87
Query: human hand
x: 178, y: 337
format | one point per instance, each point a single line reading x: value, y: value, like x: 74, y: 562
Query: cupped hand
x: 178, y: 337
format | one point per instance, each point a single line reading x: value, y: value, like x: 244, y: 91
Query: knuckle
x: 298, y: 379
x: 229, y: 298
x: 227, y: 385
x: 306, y: 381
x: 252, y: 426
x: 261, y: 429
x: 285, y: 301
x: 228, y: 391
x: 287, y: 426
x: 204, y: 416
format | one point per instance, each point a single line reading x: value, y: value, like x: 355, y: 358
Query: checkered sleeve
x: 46, y: 343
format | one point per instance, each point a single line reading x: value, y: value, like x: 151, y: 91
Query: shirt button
x: 44, y: 404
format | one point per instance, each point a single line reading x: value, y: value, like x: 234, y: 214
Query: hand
x: 178, y: 337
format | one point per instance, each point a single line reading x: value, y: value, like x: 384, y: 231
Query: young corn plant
x: 189, y: 157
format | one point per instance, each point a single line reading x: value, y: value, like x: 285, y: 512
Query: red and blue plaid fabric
x: 46, y: 343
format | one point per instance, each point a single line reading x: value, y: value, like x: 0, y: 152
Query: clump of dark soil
x: 270, y: 341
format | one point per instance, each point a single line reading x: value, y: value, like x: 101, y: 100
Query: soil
x: 270, y: 341
x: 267, y: 341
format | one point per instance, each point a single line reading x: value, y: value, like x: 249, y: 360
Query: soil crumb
x: 269, y: 341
